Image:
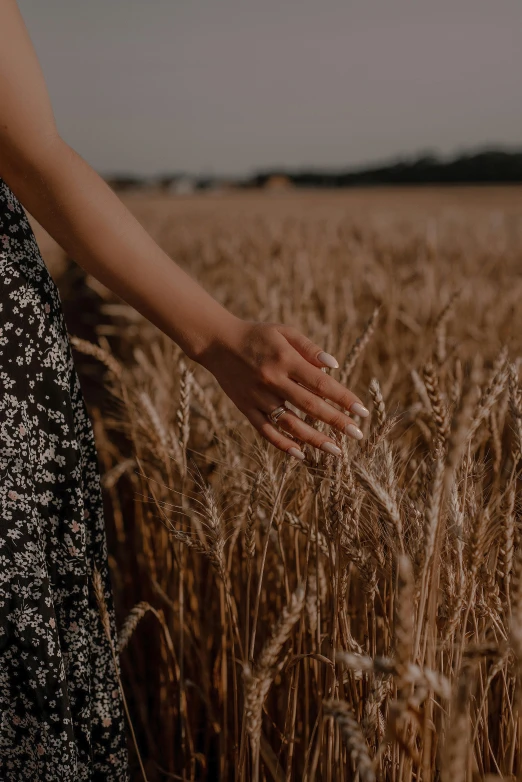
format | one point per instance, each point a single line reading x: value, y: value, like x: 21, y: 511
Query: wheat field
x: 353, y: 618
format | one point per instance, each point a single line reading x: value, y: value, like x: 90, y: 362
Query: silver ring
x: 276, y: 414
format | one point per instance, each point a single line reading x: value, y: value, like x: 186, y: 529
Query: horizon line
x: 317, y: 168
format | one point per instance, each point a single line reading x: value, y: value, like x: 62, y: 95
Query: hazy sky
x: 227, y: 86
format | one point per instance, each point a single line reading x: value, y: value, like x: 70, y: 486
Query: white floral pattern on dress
x: 61, y: 712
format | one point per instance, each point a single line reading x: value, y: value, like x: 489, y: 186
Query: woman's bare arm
x: 80, y: 210
x: 258, y: 365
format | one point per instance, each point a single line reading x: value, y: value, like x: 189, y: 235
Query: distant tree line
x: 481, y: 168
x: 486, y: 167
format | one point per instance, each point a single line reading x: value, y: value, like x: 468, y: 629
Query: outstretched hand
x: 260, y: 366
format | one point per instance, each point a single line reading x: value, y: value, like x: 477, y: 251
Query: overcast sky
x: 228, y: 86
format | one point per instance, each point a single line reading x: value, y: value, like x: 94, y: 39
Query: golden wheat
x: 381, y: 590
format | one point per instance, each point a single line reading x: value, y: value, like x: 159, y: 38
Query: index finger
x: 322, y: 384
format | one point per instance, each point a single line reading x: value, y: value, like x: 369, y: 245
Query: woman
x: 61, y: 715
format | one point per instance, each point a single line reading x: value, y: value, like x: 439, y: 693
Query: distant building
x: 182, y: 186
x: 278, y: 182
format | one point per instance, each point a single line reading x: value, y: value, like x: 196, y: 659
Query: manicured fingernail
x: 359, y: 410
x: 297, y: 453
x: 331, y: 448
x: 353, y: 431
x: 328, y: 360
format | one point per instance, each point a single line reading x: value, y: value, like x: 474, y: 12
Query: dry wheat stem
x: 409, y: 544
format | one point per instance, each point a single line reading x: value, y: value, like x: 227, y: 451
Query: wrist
x: 208, y: 343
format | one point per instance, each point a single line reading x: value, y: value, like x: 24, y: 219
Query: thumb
x: 308, y: 349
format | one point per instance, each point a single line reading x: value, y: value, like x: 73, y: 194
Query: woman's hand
x: 262, y: 365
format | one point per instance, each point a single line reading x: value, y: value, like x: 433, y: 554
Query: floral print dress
x: 61, y: 711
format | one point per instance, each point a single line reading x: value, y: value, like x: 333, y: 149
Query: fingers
x: 297, y: 375
x: 313, y: 353
x: 325, y: 386
x: 274, y: 436
x: 291, y: 423
x: 319, y: 382
x: 318, y: 408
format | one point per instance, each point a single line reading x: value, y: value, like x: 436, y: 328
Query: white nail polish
x: 328, y: 360
x: 359, y: 410
x: 331, y: 448
x: 353, y: 431
x: 297, y: 453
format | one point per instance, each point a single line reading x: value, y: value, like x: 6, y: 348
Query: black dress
x: 61, y: 711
